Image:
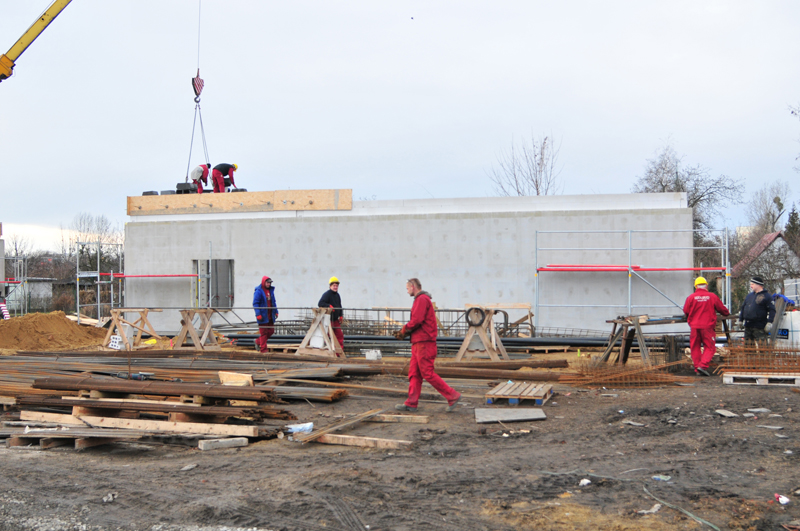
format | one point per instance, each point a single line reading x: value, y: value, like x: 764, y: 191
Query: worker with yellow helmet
x: 219, y: 173
x: 701, y: 308
x: 331, y: 299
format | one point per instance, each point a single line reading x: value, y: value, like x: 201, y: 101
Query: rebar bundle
x: 749, y: 357
x: 594, y: 374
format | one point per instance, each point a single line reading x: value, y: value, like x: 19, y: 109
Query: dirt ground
x: 458, y: 475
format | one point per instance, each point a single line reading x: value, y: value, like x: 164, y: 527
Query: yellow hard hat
x: 235, y: 167
x: 700, y: 280
x: 333, y: 280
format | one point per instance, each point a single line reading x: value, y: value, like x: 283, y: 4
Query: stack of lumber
x: 108, y: 410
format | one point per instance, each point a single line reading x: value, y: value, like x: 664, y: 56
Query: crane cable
x: 197, y: 86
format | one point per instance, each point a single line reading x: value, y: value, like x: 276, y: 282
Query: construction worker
x: 200, y: 176
x: 219, y: 173
x: 266, y: 312
x: 701, y: 308
x: 422, y: 328
x: 4, y: 309
x: 758, y: 311
x: 331, y: 299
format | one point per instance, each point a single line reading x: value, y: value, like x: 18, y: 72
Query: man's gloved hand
x: 258, y: 317
x: 768, y: 328
x: 400, y: 334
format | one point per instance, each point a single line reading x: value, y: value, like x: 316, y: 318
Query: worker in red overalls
x: 266, y: 312
x: 219, y: 173
x: 199, y: 176
x: 423, y: 329
x: 701, y: 308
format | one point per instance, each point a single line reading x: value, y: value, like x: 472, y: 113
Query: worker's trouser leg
x: 265, y: 332
x: 199, y: 186
x: 706, y: 338
x: 337, y: 331
x: 423, y: 355
x: 219, y: 181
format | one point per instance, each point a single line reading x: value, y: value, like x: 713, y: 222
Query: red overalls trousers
x: 702, y: 337
x: 219, y: 181
x: 266, y: 332
x: 423, y: 354
x: 337, y: 331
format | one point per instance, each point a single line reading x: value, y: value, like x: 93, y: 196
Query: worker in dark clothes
x: 331, y: 299
x: 758, y: 311
x: 266, y: 312
x: 199, y: 176
x: 423, y: 329
x: 219, y: 173
x: 701, y: 308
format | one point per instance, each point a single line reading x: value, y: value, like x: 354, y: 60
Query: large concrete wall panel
x: 460, y: 257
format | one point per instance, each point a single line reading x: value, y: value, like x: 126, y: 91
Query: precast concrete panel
x: 460, y: 257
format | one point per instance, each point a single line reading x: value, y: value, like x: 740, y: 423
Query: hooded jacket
x: 422, y: 324
x: 260, y: 303
x: 331, y: 299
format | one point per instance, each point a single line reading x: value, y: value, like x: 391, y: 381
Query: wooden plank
x: 52, y: 442
x: 146, y: 425
x: 216, y: 444
x: 82, y: 444
x: 486, y: 415
x: 500, y: 389
x: 307, y: 437
x: 412, y: 419
x: 142, y: 401
x: 7, y: 400
x: 268, y: 201
x: 364, y: 442
x: 235, y: 378
x: 17, y: 442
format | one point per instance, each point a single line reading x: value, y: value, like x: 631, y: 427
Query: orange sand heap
x: 47, y: 331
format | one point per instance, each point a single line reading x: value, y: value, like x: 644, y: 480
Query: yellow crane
x: 7, y: 60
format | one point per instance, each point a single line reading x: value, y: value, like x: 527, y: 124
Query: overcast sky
x: 395, y: 100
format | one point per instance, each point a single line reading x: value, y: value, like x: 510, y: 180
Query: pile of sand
x: 47, y: 331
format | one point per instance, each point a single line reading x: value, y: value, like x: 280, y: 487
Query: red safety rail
x: 616, y: 268
x: 118, y: 275
x: 10, y: 281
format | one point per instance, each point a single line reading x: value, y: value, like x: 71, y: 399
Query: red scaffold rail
x: 118, y: 275
x: 10, y: 281
x: 612, y: 268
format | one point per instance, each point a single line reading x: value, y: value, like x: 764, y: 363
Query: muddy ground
x: 725, y: 471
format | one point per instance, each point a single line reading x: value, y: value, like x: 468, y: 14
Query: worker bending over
x: 199, y: 176
x: 422, y: 327
x: 701, y: 309
x: 219, y: 173
x: 266, y: 312
x: 331, y: 299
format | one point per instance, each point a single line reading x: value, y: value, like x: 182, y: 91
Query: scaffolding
x: 102, y: 309
x: 630, y: 268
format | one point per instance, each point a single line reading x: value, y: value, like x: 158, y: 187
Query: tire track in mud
x: 343, y: 512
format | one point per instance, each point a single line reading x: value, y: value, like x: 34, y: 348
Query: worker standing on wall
x: 758, y: 311
x: 266, y: 312
x: 422, y: 328
x: 331, y: 299
x: 219, y: 173
x: 199, y: 176
x: 701, y: 308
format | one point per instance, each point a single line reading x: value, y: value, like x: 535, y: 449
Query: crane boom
x: 7, y: 60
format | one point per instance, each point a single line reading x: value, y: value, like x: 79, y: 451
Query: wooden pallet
x: 516, y: 392
x: 761, y: 379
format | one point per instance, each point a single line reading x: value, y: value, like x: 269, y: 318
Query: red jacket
x: 422, y: 324
x: 701, y: 309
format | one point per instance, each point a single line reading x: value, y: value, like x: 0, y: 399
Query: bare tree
x: 528, y: 169
x: 706, y: 195
x: 766, y: 207
x: 20, y: 246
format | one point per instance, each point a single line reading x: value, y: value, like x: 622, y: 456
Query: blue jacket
x: 260, y: 305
